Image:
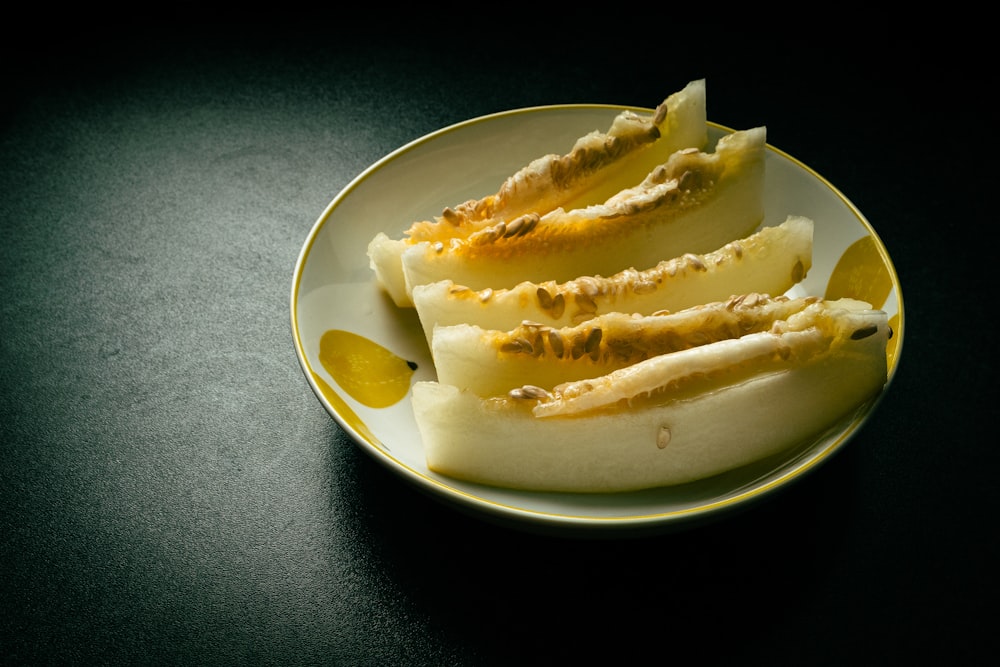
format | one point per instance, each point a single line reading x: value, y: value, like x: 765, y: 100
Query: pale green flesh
x: 533, y: 190
x: 769, y: 261
x: 491, y: 362
x: 673, y: 439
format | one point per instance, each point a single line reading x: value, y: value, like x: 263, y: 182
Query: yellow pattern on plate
x: 861, y: 274
x: 370, y: 373
x: 345, y: 411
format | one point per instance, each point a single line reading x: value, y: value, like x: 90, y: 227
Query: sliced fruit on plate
x: 693, y: 203
x: 599, y: 165
x: 670, y: 419
x: 770, y: 261
x: 490, y: 362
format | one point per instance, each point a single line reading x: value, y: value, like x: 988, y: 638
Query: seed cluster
x: 519, y: 226
x: 553, y: 305
x: 587, y: 293
x: 470, y: 211
x: 660, y: 190
x: 538, y: 340
x: 588, y: 158
x: 588, y: 296
x: 613, y: 341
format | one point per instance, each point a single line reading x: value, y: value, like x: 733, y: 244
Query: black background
x: 173, y: 493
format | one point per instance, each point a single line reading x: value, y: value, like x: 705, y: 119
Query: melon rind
x: 499, y: 441
x: 769, y: 261
x: 599, y: 165
x: 669, y: 214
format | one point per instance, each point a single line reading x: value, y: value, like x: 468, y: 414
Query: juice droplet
x: 861, y: 274
x: 371, y: 374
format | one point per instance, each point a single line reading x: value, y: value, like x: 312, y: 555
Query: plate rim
x: 534, y: 519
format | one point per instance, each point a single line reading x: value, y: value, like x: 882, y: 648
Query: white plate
x: 333, y: 288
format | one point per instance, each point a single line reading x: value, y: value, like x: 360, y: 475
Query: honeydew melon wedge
x: 490, y: 362
x: 670, y: 419
x: 769, y: 261
x: 599, y: 165
x: 693, y: 203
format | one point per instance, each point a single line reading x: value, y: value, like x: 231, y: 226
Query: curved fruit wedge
x: 770, y: 261
x: 693, y: 203
x: 598, y: 166
x: 490, y: 362
x: 670, y: 419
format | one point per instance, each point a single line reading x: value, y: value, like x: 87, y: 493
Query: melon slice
x: 599, y: 165
x: 670, y: 419
x: 693, y: 203
x: 490, y: 362
x: 770, y: 261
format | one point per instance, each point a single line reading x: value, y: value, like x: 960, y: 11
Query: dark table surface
x: 174, y: 493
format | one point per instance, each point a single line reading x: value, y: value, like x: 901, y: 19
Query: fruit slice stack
x: 598, y: 166
x: 668, y: 419
x: 553, y: 377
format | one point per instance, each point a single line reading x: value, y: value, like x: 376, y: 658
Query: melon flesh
x: 599, y: 165
x: 671, y: 419
x: 490, y: 362
x: 693, y: 203
x: 770, y: 261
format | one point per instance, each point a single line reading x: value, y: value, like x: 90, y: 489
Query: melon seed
x: 660, y: 114
x: 695, y: 261
x: 659, y: 175
x: 798, y: 272
x: 663, y: 437
x: 451, y: 216
x: 585, y: 303
x: 864, y: 332
x: 592, y: 344
x: 528, y: 391
x: 556, y: 343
